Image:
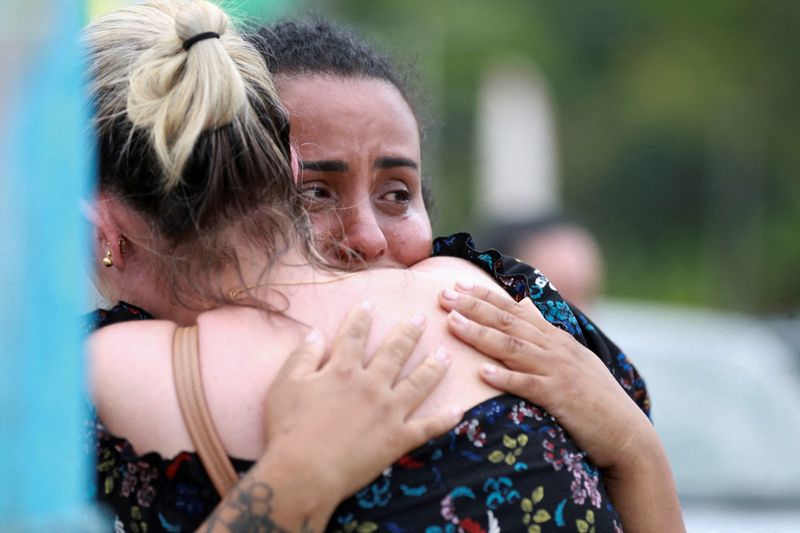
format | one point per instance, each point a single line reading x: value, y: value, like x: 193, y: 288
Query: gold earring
x: 108, y: 262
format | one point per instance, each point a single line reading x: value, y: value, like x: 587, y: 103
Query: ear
x: 108, y: 233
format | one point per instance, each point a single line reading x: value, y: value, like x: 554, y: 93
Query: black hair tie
x: 199, y: 37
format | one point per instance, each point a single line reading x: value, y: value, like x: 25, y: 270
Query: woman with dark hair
x: 357, y: 129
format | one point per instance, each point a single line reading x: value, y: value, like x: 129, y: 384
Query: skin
x: 364, y: 191
x: 304, y: 403
x: 343, y: 128
x: 546, y: 366
x: 359, y: 149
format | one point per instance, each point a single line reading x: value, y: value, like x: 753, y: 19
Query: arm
x: 547, y: 366
x: 332, y: 425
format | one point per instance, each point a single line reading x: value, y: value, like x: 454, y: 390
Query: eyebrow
x: 336, y: 165
x: 327, y: 165
x: 392, y: 162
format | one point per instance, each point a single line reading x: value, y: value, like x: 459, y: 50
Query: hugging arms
x: 198, y: 222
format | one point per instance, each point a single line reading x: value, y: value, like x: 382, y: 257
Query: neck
x: 254, y: 273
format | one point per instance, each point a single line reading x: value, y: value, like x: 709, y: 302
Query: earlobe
x: 109, y: 258
x: 111, y: 243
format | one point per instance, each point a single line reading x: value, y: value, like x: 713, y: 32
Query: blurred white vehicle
x: 726, y: 402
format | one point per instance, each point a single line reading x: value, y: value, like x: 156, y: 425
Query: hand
x: 350, y: 420
x: 548, y: 367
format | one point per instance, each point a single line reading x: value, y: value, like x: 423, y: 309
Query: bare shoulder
x: 452, y: 269
x: 131, y: 373
x: 125, y: 347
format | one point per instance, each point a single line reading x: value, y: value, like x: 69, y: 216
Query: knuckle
x: 520, y: 309
x: 482, y: 333
x: 506, y: 320
x: 425, y: 377
x: 483, y: 292
x: 409, y: 335
x: 372, y: 394
x: 472, y: 305
x: 397, y: 352
x: 521, y: 383
x: 356, y: 332
x: 415, y: 383
x: 344, y: 373
x: 514, y: 346
x: 563, y: 338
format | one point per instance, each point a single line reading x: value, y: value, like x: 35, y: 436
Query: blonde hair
x: 194, y: 139
x: 173, y: 93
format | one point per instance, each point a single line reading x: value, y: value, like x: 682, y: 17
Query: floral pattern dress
x: 507, y: 466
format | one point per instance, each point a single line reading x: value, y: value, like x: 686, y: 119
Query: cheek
x: 327, y: 233
x: 326, y: 224
x: 409, y: 239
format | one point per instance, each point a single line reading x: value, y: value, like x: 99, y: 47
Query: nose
x: 362, y: 239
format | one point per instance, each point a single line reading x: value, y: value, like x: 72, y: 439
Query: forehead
x: 334, y: 113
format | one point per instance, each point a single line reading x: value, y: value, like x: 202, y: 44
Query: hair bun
x: 178, y: 96
x: 200, y: 17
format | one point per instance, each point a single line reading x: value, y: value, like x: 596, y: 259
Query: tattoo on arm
x: 248, y: 510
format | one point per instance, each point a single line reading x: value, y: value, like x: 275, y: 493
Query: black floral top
x: 521, y: 280
x: 507, y: 466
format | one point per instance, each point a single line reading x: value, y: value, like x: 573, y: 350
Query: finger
x: 422, y: 430
x: 412, y: 390
x: 510, y: 350
x: 524, y: 309
x: 488, y: 314
x: 530, y: 387
x: 306, y: 358
x: 350, y: 342
x: 395, y: 350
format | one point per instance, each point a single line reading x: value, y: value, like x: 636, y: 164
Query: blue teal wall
x: 45, y: 168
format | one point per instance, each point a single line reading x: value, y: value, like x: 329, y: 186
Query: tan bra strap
x: 196, y: 416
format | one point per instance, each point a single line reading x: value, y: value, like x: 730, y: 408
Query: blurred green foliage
x: 679, y: 128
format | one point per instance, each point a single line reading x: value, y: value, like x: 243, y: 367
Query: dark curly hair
x: 317, y: 46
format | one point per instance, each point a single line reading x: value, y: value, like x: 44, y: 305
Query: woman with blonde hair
x: 199, y: 222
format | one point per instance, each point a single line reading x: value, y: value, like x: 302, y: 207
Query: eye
x: 400, y: 196
x: 394, y: 197
x: 317, y: 194
x: 395, y: 191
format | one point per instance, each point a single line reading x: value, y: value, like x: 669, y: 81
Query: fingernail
x: 312, y: 336
x: 465, y: 285
x: 458, y: 318
x: 488, y: 369
x: 418, y: 320
x: 456, y: 412
x: 442, y: 356
x: 366, y: 305
x: 448, y: 294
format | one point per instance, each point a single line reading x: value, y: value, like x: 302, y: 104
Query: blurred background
x: 645, y: 156
x: 665, y: 135
x: 675, y: 129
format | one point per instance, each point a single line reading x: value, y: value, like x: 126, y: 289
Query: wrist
x: 302, y: 496
x: 643, y: 490
x: 307, y: 473
x: 642, y: 461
